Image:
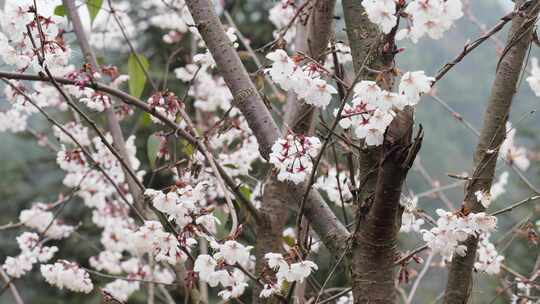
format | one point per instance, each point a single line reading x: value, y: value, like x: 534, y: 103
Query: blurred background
x: 28, y: 172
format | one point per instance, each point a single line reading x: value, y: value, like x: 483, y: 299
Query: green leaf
x: 195, y: 296
x: 152, y: 149
x: 223, y: 218
x: 230, y: 166
x: 246, y: 192
x: 188, y: 149
x: 145, y: 120
x: 100, y: 60
x: 93, y: 8
x: 60, y: 10
x: 290, y: 241
x: 137, y: 77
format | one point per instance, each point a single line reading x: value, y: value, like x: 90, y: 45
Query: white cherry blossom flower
x: 382, y: 13
x: 65, y: 274
x: 293, y: 155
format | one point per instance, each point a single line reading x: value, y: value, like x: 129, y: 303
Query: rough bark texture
x: 382, y: 169
x: 311, y: 39
x: 323, y: 220
x: 252, y: 107
x: 493, y: 132
x: 112, y: 121
x: 273, y: 216
x: 375, y: 241
x: 366, y: 44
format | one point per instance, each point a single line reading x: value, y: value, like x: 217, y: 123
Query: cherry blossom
x: 286, y: 271
x: 65, y: 274
x: 280, y: 15
x: 233, y: 252
x: 499, y: 187
x: 305, y: 80
x: 293, y: 155
x: 337, y: 186
x: 39, y: 218
x: 372, y: 109
x: 382, y: 13
x: 488, y: 259
x: 121, y: 289
x: 452, y: 229
x: 513, y: 154
x: 483, y: 197
x: 233, y: 281
x: 413, y: 84
x: 409, y: 222
x: 430, y: 17
x: 187, y: 196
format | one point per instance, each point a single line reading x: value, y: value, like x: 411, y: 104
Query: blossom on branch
x: 293, y: 156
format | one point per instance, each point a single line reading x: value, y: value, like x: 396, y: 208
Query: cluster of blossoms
x: 176, y: 21
x: 382, y: 13
x: 515, y: 155
x: 293, y: 156
x: 209, y: 91
x: 522, y: 293
x: 373, y: 109
x: 239, y: 147
x: 32, y: 251
x: 217, y: 269
x: 166, y: 104
x: 336, y: 185
x: 305, y: 80
x: 281, y: 15
x: 427, y: 17
x: 184, y: 207
x: 452, y: 229
x: 65, y: 274
x: 19, y: 21
x: 285, y: 271
x: 152, y: 239
x: 409, y: 222
x: 40, y: 218
x: 95, y: 188
x: 499, y: 188
x: 94, y: 100
x: 134, y: 268
x: 488, y: 259
x: 431, y: 17
x: 108, y: 34
x: 15, y: 119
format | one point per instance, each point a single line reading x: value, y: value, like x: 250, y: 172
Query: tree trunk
x: 459, y: 286
x: 311, y: 39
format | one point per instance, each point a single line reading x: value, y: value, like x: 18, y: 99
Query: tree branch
x: 112, y: 121
x: 250, y: 103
